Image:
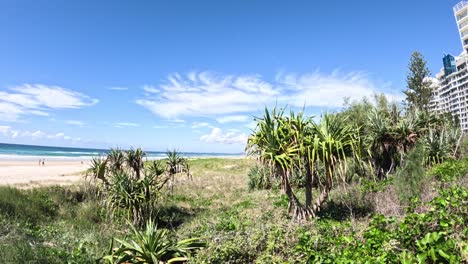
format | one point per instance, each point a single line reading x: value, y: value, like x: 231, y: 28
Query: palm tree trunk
x: 324, y: 193
x: 308, y: 185
x: 320, y: 200
x: 298, y: 211
x: 172, y: 183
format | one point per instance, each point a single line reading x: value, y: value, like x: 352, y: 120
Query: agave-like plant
x: 153, y: 246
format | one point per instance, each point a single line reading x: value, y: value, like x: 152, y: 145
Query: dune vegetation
x: 378, y: 182
x: 213, y: 210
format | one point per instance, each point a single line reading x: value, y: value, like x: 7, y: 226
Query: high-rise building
x: 461, y: 15
x: 450, y: 92
x: 449, y: 64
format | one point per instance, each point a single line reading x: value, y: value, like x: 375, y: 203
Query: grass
x: 45, y: 225
x: 53, y: 224
x: 65, y: 224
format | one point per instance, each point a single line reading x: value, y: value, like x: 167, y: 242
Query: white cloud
x: 200, y: 124
x: 6, y: 131
x: 251, y: 125
x: 176, y: 120
x: 230, y: 137
x: 207, y: 94
x: 316, y: 89
x: 37, y: 134
x: 118, y: 88
x: 75, y: 122
x: 150, y: 89
x: 38, y: 99
x: 160, y: 127
x: 9, y: 132
x: 232, y: 118
x: 126, y: 124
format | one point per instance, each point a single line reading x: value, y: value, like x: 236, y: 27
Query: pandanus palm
x: 301, y: 133
x: 291, y: 143
x: 175, y: 164
x: 134, y: 159
x: 332, y: 142
x: 157, y: 170
x: 155, y: 167
x: 98, y: 169
x: 271, y: 142
x: 383, y: 146
x: 116, y: 159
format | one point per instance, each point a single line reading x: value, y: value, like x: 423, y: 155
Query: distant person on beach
x: 43, y: 162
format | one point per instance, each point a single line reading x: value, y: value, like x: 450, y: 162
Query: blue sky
x: 191, y: 74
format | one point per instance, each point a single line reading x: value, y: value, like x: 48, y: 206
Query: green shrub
x: 152, y: 245
x: 436, y: 236
x: 450, y: 170
x: 27, y: 205
x: 347, y: 202
x: 260, y: 178
x: 408, y: 180
x: 132, y: 198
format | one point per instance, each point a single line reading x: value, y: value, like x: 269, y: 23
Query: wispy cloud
x: 199, y: 125
x: 118, y: 88
x: 230, y: 137
x: 160, y: 127
x: 251, y: 125
x: 208, y: 94
x: 150, y: 89
x: 176, y: 121
x: 38, y: 99
x: 171, y: 124
x: 126, y: 124
x: 75, y: 122
x: 232, y: 118
x: 9, y: 132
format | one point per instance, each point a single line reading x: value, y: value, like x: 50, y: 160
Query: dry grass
x: 387, y: 203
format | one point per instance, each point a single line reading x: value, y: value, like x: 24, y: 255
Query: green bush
x: 132, y: 198
x: 27, y: 205
x: 434, y: 237
x: 408, y: 180
x: 450, y: 170
x: 152, y: 245
x: 260, y: 178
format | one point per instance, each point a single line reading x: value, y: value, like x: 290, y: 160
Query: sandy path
x: 29, y: 173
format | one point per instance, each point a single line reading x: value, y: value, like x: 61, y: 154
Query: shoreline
x: 26, y: 158
x: 27, y: 173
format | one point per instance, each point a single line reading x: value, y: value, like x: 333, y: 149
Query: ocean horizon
x: 32, y: 152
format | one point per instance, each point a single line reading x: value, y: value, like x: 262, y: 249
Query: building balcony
x: 458, y: 7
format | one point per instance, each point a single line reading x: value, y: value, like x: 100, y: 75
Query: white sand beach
x: 30, y: 174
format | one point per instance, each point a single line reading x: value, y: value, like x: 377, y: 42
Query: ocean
x: 30, y: 152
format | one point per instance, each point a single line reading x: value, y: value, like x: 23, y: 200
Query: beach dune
x: 30, y: 174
